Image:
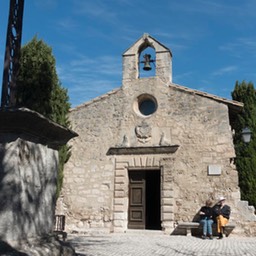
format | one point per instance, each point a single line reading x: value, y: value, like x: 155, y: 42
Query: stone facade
x: 183, y: 134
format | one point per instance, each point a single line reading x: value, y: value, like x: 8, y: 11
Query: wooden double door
x: 144, y: 200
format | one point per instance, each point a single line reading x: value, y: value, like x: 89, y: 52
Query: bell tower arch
x: 132, y: 60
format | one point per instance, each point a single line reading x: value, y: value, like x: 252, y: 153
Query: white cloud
x: 183, y: 76
x: 87, y: 78
x: 46, y: 4
x: 241, y: 47
x: 67, y: 24
x: 97, y: 9
x: 216, y: 8
x: 224, y: 70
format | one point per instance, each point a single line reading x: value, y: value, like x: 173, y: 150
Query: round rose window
x: 146, y: 104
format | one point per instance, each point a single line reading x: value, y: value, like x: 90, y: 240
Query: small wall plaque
x: 214, y: 170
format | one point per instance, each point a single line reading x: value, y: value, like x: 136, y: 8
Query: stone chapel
x: 150, y: 153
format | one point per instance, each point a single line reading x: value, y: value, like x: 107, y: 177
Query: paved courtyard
x: 156, y: 243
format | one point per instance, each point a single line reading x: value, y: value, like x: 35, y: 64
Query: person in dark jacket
x: 222, y: 212
x: 206, y: 220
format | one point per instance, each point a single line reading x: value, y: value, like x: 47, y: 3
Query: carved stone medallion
x: 143, y: 132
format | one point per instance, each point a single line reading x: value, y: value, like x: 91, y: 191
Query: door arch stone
x: 121, y: 189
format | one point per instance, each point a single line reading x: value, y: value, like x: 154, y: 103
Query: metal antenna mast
x: 12, y: 53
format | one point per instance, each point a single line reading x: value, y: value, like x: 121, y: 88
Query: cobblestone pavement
x: 158, y: 244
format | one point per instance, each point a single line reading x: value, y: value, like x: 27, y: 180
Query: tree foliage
x: 246, y: 153
x: 39, y: 89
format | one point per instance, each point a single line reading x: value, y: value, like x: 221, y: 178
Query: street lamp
x: 246, y: 135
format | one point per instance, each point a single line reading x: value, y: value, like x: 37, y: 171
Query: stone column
x: 167, y: 199
x: 28, y: 174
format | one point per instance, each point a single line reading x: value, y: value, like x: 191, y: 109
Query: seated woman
x: 222, y: 212
x: 206, y: 220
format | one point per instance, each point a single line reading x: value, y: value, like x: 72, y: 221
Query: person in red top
x: 222, y: 212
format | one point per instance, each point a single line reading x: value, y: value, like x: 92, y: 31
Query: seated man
x: 222, y: 213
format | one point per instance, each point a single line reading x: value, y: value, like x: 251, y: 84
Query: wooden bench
x: 59, y: 226
x: 189, y: 227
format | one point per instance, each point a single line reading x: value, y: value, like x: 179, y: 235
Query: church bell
x: 146, y: 62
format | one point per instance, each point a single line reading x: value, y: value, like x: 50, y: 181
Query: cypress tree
x: 246, y: 153
x: 39, y: 89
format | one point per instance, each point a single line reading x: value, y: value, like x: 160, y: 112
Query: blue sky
x: 213, y: 42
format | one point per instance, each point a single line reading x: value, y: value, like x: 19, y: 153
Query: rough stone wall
x: 88, y: 180
x: 28, y: 173
x: 95, y: 192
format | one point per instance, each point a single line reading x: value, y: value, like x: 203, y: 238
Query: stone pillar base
x: 47, y: 246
